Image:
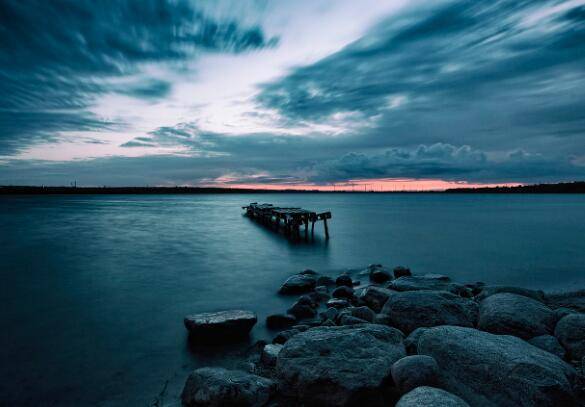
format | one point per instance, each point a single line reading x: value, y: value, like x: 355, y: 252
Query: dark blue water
x: 94, y: 288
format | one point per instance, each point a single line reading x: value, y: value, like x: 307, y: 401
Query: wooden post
x: 312, y: 228
x: 326, y: 228
x: 306, y: 229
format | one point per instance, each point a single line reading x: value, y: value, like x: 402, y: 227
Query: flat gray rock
x: 513, y: 314
x: 570, y: 331
x: 222, y: 325
x: 337, y: 366
x: 220, y: 387
x: 430, y: 397
x: 497, y: 370
x: 432, y: 282
x: 414, y: 309
x: 298, y: 284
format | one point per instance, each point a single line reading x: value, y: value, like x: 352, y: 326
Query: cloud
x: 57, y: 57
x: 494, y: 75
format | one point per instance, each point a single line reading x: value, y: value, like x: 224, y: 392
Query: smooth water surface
x: 94, y: 288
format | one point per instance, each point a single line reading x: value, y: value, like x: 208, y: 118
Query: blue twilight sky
x: 166, y: 92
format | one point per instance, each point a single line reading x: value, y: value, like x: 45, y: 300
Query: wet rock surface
x: 221, y: 387
x: 425, y: 396
x: 336, y: 366
x: 411, y: 372
x: 222, y: 325
x: 497, y: 370
x: 415, y: 309
x: 298, y: 284
x: 513, y: 314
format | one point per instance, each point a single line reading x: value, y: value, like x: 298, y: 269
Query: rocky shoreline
x: 383, y: 337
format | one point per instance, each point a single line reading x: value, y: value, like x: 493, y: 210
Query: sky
x: 329, y: 94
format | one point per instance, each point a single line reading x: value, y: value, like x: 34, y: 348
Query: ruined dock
x: 290, y: 220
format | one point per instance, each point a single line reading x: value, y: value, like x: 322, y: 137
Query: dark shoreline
x: 577, y: 187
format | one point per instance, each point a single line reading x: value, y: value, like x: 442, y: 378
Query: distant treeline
x: 560, y: 188
x: 577, y: 187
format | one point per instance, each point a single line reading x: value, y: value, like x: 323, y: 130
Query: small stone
x: 414, y: 371
x: 215, y: 386
x: 401, y: 271
x: 375, y: 297
x: 548, y: 343
x: 361, y: 312
x: 279, y: 321
x: 301, y: 311
x: 430, y: 397
x: 380, y: 276
x: 298, y: 284
x: 570, y: 331
x: 269, y: 354
x: 343, y: 292
x: 344, y: 280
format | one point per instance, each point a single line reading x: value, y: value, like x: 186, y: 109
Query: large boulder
x: 414, y: 309
x: 298, y: 284
x: 570, y: 331
x: 432, y: 282
x: 425, y: 396
x: 220, y: 387
x: 513, y: 314
x: 414, y: 371
x: 375, y: 297
x: 411, y: 341
x: 490, y: 290
x: 222, y: 325
x: 379, y: 274
x: 548, y: 343
x: 337, y: 366
x: 497, y: 370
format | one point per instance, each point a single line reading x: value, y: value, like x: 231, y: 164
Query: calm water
x: 94, y: 288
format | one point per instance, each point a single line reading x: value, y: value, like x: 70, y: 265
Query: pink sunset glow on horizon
x: 367, y: 185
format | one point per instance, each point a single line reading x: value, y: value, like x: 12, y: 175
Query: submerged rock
x: 430, y: 397
x: 497, y: 370
x: 548, y: 343
x: 414, y: 371
x: 325, y: 281
x: 570, y: 331
x: 336, y: 366
x: 513, y: 314
x: 298, y: 284
x: 414, y: 309
x: 375, y: 297
x: 220, y: 387
x: 401, y: 271
x: 223, y: 325
x: 379, y: 274
x: 490, y: 290
x: 279, y: 321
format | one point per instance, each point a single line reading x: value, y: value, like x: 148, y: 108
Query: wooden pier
x: 288, y: 219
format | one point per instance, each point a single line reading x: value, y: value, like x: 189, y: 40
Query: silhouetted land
x: 560, y: 188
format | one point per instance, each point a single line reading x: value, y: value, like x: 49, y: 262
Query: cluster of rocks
x: 400, y: 339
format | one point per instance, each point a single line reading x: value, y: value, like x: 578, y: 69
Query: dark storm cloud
x: 54, y: 53
x: 498, y: 76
